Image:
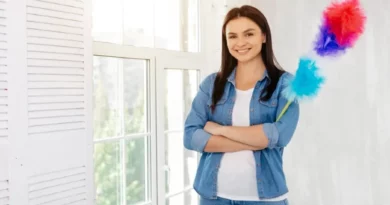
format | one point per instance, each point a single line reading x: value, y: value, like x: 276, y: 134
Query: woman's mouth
x: 243, y: 51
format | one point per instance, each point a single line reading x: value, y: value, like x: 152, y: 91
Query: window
x: 122, y: 157
x: 168, y: 24
x: 180, y: 89
x: 146, y: 73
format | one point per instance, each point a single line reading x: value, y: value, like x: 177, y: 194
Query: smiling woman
x: 232, y: 119
x: 247, y: 44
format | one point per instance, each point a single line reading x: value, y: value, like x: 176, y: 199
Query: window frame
x: 180, y: 62
x: 154, y: 56
x: 157, y: 59
x: 118, y: 51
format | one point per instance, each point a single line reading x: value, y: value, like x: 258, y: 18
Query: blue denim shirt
x: 271, y: 180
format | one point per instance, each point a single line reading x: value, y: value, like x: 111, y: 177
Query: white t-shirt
x: 237, y: 172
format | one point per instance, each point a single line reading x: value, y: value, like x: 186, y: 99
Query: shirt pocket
x: 220, y: 112
x: 267, y: 110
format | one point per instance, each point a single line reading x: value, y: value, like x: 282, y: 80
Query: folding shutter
x: 52, y: 154
x: 4, y: 144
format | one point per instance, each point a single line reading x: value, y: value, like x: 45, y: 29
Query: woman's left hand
x: 213, y: 128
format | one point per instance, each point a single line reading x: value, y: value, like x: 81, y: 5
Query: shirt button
x: 251, y: 109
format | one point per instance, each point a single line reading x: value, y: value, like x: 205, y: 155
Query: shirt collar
x: 232, y: 76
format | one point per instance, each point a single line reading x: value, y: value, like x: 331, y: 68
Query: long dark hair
x: 229, y: 62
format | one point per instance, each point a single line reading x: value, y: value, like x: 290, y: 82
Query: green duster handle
x: 284, y: 110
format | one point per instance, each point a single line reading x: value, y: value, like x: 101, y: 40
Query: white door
x: 177, y: 83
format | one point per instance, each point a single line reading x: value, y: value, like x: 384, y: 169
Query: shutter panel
x: 57, y: 102
x: 4, y: 192
x: 4, y: 185
x: 4, y: 143
x: 54, y: 160
x: 59, y: 187
x: 3, y: 74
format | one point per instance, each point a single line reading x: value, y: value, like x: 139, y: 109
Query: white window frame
x: 180, y: 62
x: 158, y: 59
x: 127, y: 52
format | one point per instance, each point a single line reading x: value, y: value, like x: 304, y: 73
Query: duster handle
x: 284, y: 110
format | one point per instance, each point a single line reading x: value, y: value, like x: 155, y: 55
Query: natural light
x: 194, y: 102
x: 122, y: 101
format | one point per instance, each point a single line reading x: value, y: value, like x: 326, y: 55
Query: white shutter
x: 4, y: 192
x: 3, y: 74
x: 4, y: 143
x: 4, y: 178
x: 54, y: 158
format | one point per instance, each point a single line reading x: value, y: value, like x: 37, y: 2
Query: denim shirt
x: 271, y: 180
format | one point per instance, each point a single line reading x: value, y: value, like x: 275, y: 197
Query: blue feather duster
x: 306, y: 82
x: 304, y: 85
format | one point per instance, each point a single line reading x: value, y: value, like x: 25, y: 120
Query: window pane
x: 181, y: 87
x: 181, y: 162
x: 187, y: 198
x: 190, y: 84
x: 107, y: 23
x: 176, y: 23
x: 119, y: 80
x: 106, y: 120
x: 167, y: 24
x: 138, y: 23
x: 107, y: 174
x: 134, y: 101
x: 137, y: 171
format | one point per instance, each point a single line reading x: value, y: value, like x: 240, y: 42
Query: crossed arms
x: 204, y: 136
x: 233, y: 139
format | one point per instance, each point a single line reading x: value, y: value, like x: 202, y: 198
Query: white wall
x: 339, y: 154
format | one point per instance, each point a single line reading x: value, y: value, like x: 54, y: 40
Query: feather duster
x: 343, y: 23
x: 304, y: 85
x: 326, y: 44
x: 346, y: 21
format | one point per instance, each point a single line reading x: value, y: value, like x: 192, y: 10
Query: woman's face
x: 244, y: 39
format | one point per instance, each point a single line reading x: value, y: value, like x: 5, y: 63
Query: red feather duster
x: 346, y: 21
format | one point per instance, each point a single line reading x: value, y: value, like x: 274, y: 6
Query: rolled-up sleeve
x: 280, y: 133
x: 195, y: 137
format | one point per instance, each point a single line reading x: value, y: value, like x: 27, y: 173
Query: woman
x: 232, y: 119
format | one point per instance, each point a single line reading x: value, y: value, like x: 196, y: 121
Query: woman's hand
x: 213, y: 128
